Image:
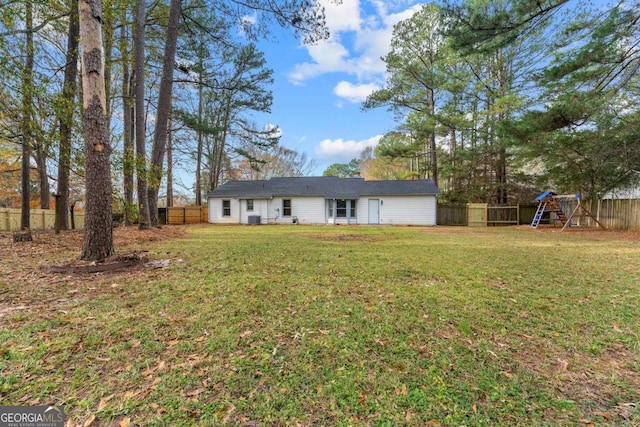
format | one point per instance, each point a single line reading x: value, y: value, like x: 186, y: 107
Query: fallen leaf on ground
x: 195, y: 392
x: 89, y: 420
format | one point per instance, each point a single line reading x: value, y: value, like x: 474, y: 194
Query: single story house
x: 324, y: 200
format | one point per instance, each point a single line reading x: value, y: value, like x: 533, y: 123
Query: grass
x: 280, y: 325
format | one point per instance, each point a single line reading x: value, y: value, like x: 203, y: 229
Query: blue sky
x: 318, y: 89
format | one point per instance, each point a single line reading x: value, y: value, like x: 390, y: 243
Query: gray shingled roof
x: 328, y: 187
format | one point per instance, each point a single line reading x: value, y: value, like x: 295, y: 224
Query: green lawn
x: 336, y: 325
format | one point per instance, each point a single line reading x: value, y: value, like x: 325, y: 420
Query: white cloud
x: 341, y: 151
x: 354, y: 92
x: 247, y: 22
x: 273, y: 130
x: 342, y: 17
x: 328, y: 56
x: 374, y: 41
x: 249, y: 19
x: 361, y: 34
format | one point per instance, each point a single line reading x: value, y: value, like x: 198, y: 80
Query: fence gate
x: 187, y: 215
x: 477, y: 214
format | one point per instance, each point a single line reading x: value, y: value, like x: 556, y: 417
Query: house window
x: 250, y: 205
x: 344, y: 206
x: 286, y: 207
x: 226, y: 208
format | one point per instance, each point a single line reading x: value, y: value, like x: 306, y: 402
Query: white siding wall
x: 260, y: 208
x: 400, y: 210
x: 308, y: 210
x: 215, y: 211
x: 395, y: 210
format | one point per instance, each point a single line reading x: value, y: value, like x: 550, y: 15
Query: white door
x: 374, y: 211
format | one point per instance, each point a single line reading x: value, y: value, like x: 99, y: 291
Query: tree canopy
x: 142, y: 105
x: 515, y: 92
x: 493, y: 98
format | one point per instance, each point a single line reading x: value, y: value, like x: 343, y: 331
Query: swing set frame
x: 579, y: 211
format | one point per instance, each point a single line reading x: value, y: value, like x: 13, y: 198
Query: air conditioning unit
x: 254, y: 219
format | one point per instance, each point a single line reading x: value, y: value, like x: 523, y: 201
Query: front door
x: 374, y: 211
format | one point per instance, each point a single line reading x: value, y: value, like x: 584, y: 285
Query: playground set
x: 565, y: 207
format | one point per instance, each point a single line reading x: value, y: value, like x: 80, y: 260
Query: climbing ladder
x: 538, y: 216
x: 547, y: 203
x: 551, y: 202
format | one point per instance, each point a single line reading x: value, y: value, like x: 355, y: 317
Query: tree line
x: 497, y: 99
x: 102, y: 98
x: 493, y: 99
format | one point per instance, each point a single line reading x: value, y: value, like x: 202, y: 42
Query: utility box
x: 254, y: 219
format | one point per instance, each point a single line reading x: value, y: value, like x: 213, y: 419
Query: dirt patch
x: 458, y: 230
x: 48, y: 270
x: 46, y: 246
x: 111, y: 264
x: 343, y: 237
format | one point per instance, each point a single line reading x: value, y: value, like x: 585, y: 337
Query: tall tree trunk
x: 170, y: 168
x: 129, y: 140
x: 107, y: 42
x: 72, y: 207
x: 98, y: 233
x: 164, y: 109
x: 141, y: 152
x: 501, y: 160
x: 501, y: 177
x: 128, y: 157
x: 433, y: 158
x: 200, y: 136
x: 66, y: 116
x: 41, y: 165
x: 453, y: 180
x: 27, y: 119
x: 220, y: 140
x: 128, y: 151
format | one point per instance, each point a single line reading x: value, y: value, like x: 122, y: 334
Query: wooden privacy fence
x: 621, y: 214
x: 452, y: 214
x: 40, y: 219
x: 614, y: 214
x: 187, y: 215
x: 482, y: 214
